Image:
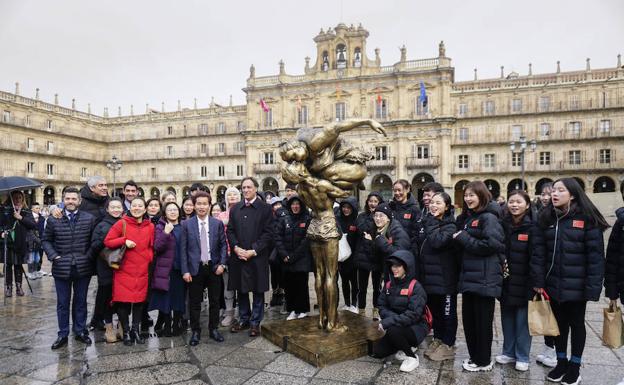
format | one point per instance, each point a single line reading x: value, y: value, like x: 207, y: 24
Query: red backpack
x: 410, y: 290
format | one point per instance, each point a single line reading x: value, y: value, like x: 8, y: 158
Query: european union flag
x: 423, y: 95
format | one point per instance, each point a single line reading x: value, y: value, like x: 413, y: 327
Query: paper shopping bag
x: 542, y: 321
x: 612, y: 326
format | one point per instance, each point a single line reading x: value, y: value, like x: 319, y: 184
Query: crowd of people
x: 418, y: 257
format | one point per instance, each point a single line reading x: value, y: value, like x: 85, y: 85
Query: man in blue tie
x: 204, y: 253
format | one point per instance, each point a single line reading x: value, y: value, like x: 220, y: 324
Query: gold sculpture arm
x: 349, y: 124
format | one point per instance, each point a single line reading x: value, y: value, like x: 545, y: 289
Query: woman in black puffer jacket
x: 568, y: 262
x: 387, y: 237
x: 482, y: 241
x: 438, y: 271
x: 614, y: 274
x: 364, y: 263
x: 346, y: 218
x: 518, y: 226
x: 404, y: 316
x: 102, y: 309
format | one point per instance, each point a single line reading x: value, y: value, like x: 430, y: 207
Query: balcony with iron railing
x: 566, y: 134
x: 266, y: 168
x: 414, y: 162
x: 387, y: 163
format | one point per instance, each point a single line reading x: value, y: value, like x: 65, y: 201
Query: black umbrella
x: 10, y: 183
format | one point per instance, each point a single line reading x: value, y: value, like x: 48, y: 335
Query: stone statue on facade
x: 325, y: 168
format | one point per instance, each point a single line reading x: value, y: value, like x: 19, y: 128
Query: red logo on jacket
x: 407, y: 216
x: 302, y: 224
x: 404, y: 291
x: 523, y: 237
x: 352, y: 228
x: 475, y: 223
x: 390, y: 240
x: 578, y: 224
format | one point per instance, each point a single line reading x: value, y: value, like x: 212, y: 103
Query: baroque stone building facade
x: 572, y: 124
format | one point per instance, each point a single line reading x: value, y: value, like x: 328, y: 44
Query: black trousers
x: 549, y: 341
x: 277, y: 276
x: 363, y: 286
x: 349, y: 284
x: 396, y: 338
x: 10, y: 269
x: 571, y: 320
x: 205, y: 278
x: 124, y: 309
x: 297, y: 291
x: 444, y: 311
x: 478, y: 315
x: 102, y: 309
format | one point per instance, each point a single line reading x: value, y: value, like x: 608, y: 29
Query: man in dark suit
x: 250, y: 234
x: 204, y: 253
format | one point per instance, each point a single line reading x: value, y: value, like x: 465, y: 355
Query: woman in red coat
x: 131, y: 280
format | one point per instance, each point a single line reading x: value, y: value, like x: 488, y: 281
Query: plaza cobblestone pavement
x: 28, y: 327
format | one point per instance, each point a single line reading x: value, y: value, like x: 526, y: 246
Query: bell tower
x: 340, y: 48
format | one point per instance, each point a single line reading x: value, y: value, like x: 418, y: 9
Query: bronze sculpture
x: 325, y: 168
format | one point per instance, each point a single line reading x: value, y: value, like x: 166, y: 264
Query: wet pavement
x: 28, y: 327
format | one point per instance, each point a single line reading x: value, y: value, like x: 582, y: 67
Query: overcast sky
x: 116, y: 53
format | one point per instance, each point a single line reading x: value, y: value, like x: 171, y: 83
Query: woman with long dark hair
x: 568, y: 263
x: 188, y: 208
x: 482, y: 244
x: 154, y: 210
x: 346, y: 217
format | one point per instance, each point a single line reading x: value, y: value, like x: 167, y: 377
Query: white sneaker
x: 291, y: 316
x: 522, y: 366
x: 548, y: 357
x: 472, y: 367
x: 503, y: 359
x: 302, y: 315
x: 39, y: 273
x: 345, y: 307
x: 409, y: 364
x: 353, y: 309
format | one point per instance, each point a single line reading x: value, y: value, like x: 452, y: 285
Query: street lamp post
x: 522, y: 143
x: 114, y: 165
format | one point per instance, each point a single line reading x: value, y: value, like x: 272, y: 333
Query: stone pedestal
x: 303, y: 338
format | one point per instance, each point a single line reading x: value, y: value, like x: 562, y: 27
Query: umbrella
x: 10, y: 183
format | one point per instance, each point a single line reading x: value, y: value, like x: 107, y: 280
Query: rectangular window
x: 239, y: 147
x: 544, y: 129
x: 462, y: 161
x: 341, y: 111
x: 30, y: 167
x: 202, y: 129
x: 204, y: 171
x: 50, y: 169
x: 6, y: 116
x: 544, y: 103
x: 516, y: 159
x: 422, y: 151
x: 50, y: 146
x: 268, y: 158
x: 490, y: 160
x: 221, y: 128
x: 268, y: 118
x: 240, y: 126
x: 221, y: 148
x: 153, y: 172
x: 516, y: 132
x: 381, y: 109
x: 169, y: 150
x: 574, y: 102
x: 420, y: 108
x: 221, y: 170
x: 49, y: 124
x: 203, y: 148
x: 489, y: 107
x: 574, y: 128
x: 605, y: 155
x: 381, y: 152
x: 83, y: 172
x: 605, y: 127
x: 30, y: 144
x: 302, y: 115
x: 516, y: 105
x: 239, y: 170
x: 574, y: 157
x: 544, y: 158
x: 463, y: 110
x: 169, y: 130
x: 463, y: 133
x: 27, y: 121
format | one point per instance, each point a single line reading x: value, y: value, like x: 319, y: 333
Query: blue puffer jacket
x: 71, y: 243
x: 483, y: 252
x: 614, y: 275
x: 568, y: 257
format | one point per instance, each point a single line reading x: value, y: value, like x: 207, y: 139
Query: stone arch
x: 186, y: 190
x: 494, y: 187
x: 580, y: 181
x: 604, y: 184
x: 269, y: 184
x: 221, y: 193
x: 382, y: 184
x: 458, y: 197
x: 141, y: 192
x: 540, y: 184
x: 515, y: 184
x: 154, y: 192
x: 418, y: 182
x: 48, y: 195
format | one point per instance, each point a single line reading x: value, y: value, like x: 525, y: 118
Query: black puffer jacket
x: 406, y: 213
x: 104, y: 271
x: 437, y: 257
x: 17, y: 246
x: 291, y: 241
x: 348, y: 225
x: 396, y: 308
x: 71, y: 243
x: 482, y: 244
x: 614, y: 274
x: 92, y: 204
x: 568, y: 256
x: 375, y: 252
x: 517, y: 288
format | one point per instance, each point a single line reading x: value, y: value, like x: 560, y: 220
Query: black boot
x: 8, y: 291
x: 136, y: 335
x: 559, y: 371
x: 165, y: 330
x: 572, y: 376
x: 274, y: 299
x: 18, y: 290
x: 127, y: 338
x: 177, y: 324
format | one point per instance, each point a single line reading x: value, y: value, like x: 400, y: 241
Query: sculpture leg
x: 331, y: 282
x: 317, y: 249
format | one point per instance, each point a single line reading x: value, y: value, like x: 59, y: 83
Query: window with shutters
x: 489, y: 160
x: 422, y: 151
x: 381, y: 152
x: 462, y: 161
x: 341, y: 111
x: 574, y: 157
x: 544, y: 158
x: 302, y: 115
x: 605, y: 155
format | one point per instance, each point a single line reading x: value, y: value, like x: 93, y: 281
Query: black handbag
x: 113, y: 257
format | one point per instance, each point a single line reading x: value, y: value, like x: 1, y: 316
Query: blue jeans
x: 64, y: 288
x: 517, y: 340
x: 257, y: 312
